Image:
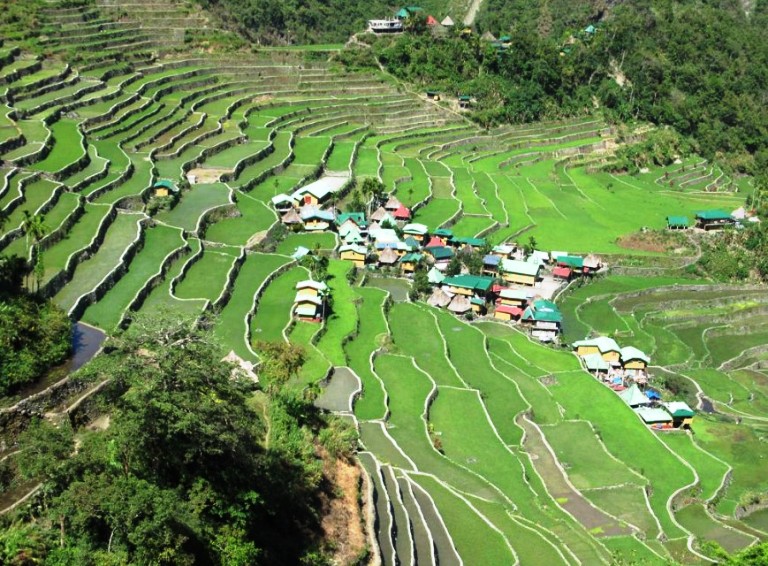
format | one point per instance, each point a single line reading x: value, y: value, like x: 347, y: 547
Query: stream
x: 86, y: 342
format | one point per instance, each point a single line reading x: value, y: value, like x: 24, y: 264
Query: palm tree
x: 34, y: 228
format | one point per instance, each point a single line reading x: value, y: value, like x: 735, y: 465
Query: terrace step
x: 382, y: 505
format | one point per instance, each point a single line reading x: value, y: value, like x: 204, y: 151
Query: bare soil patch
x: 208, y: 175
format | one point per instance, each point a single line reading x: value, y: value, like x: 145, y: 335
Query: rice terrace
x: 537, y: 369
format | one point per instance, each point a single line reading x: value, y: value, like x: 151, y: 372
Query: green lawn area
x: 79, y: 236
x: 436, y: 212
x: 309, y: 149
x: 275, y: 306
x: 711, y: 471
x: 255, y: 217
x: 415, y: 333
x: 67, y: 147
x: 466, y: 347
x: 36, y: 193
x: 587, y: 463
x: 228, y: 158
x: 133, y: 186
x: 310, y: 240
x: 367, y: 164
x: 342, y: 321
x: 206, y: 278
x: 316, y: 365
x: 373, y: 327
x: 467, y: 528
x: 158, y: 243
x: 90, y: 272
x: 231, y: 329
x: 194, y: 203
x: 341, y: 156
x: 470, y: 226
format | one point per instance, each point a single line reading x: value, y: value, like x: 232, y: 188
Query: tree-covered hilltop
x: 701, y: 67
x: 194, y: 466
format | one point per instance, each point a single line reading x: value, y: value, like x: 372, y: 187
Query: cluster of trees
x: 193, y: 468
x: 298, y: 21
x: 736, y: 255
x: 34, y: 333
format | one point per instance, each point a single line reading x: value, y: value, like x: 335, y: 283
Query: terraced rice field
x: 471, y: 432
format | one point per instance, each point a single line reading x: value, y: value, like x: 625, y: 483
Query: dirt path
x: 469, y: 19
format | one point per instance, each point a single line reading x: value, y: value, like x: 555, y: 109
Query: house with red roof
x: 402, y: 213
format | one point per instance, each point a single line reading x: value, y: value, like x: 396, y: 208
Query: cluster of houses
x: 625, y: 371
x: 397, y: 23
x: 715, y: 219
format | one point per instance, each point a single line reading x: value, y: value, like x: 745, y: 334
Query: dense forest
x: 195, y: 466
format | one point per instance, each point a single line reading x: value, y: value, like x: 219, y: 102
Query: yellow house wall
x: 611, y: 356
x: 161, y: 192
x: 586, y: 350
x: 477, y: 308
x: 408, y: 267
x: 460, y: 291
x: 313, y: 223
x: 358, y: 259
x: 502, y: 315
x: 512, y: 302
x: 309, y: 199
x: 635, y: 364
x: 518, y: 278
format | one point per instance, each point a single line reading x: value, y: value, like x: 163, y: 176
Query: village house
x: 385, y: 26
x: 435, y: 276
x: 417, y: 231
x: 444, y: 235
x: 354, y: 253
x: 491, y: 264
x: 592, y: 264
x: 346, y: 220
x: 544, y: 319
x: 522, y: 272
x: 164, y: 188
x: 409, y: 262
x: 603, y: 345
x: 319, y: 191
x: 596, y: 364
x: 678, y: 222
x: 402, y: 213
x: 655, y: 416
x: 460, y: 304
x: 562, y: 273
x: 713, y: 220
x: 440, y: 255
x: 634, y: 397
x: 467, y: 243
x: 379, y: 214
x: 310, y: 300
x: 392, y: 204
x: 468, y: 285
x: 513, y: 297
x: 633, y: 359
x: 439, y: 298
x: 388, y: 257
x: 682, y: 414
x: 282, y: 203
x: 574, y: 263
x: 504, y: 251
x: 351, y: 235
x: 291, y: 218
x: 507, y: 312
x: 315, y: 219
x: 478, y: 306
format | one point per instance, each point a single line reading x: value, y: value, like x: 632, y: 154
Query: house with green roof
x: 356, y: 219
x: 462, y: 242
x: 678, y: 222
x: 435, y: 276
x: 714, y: 219
x: 544, y: 319
x: 409, y: 261
x: 163, y: 188
x: 468, y: 285
x: 682, y: 414
x: 439, y: 253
